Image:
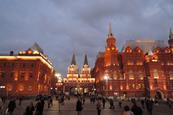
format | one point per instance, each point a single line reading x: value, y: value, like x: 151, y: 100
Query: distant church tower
x: 73, y: 69
x: 85, y: 71
x: 170, y: 41
x: 111, y: 50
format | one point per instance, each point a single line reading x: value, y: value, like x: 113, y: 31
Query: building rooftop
x: 145, y: 45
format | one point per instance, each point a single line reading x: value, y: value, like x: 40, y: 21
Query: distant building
x: 79, y: 82
x: 143, y: 68
x: 27, y: 73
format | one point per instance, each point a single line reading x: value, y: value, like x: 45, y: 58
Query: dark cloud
x: 62, y: 27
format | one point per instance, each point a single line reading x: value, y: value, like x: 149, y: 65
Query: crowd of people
x: 136, y: 107
x: 30, y: 109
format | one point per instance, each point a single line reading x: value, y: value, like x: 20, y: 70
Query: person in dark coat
x: 98, y: 107
x: 11, y: 107
x: 142, y: 103
x: 79, y: 106
x: 42, y: 106
x: 149, y: 106
x: 103, y: 102
x: 38, y: 108
x: 111, y: 102
x: 29, y: 109
x: 136, y: 109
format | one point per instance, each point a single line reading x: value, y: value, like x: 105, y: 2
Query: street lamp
x: 106, y: 78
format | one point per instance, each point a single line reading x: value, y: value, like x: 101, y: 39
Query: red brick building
x: 27, y: 73
x: 79, y: 82
x: 143, y: 68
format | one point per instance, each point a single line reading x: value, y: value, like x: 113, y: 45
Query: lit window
x: 110, y: 87
x: 171, y: 75
x: 169, y: 63
x: 115, y: 75
x: 9, y: 87
x: 29, y: 88
x: 155, y: 74
x: 131, y: 75
x: 139, y: 63
x: 133, y: 85
x: 20, y: 87
x: 129, y: 63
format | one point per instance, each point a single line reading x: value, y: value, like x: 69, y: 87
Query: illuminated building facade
x: 27, y: 73
x: 78, y: 82
x: 143, y: 68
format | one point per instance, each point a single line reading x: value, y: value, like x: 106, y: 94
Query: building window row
x: 132, y: 63
x: 23, y: 75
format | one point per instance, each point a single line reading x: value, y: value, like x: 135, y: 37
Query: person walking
x: 149, y: 106
x: 79, y: 106
x: 98, y: 107
x: 103, y: 102
x: 20, y: 101
x: 127, y: 111
x: 111, y: 102
x: 38, y: 108
x: 11, y: 107
x: 136, y: 109
x: 142, y: 103
x: 29, y: 109
x: 120, y: 103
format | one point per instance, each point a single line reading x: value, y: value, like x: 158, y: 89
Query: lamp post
x: 106, y: 78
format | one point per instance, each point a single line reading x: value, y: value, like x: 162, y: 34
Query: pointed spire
x: 85, y: 60
x: 73, y: 61
x: 170, y: 34
x: 36, y: 47
x: 170, y: 31
x: 110, y: 29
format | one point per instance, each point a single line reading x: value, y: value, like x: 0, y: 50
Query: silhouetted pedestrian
x: 79, y: 106
x: 143, y: 104
x: 98, y: 107
x: 38, y: 108
x: 20, y: 101
x: 127, y: 111
x: 120, y: 104
x: 149, y: 106
x: 103, y: 102
x: 29, y: 109
x: 11, y: 107
x: 111, y: 102
x: 136, y: 109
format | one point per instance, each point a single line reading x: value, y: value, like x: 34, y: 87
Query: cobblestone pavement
x: 89, y: 109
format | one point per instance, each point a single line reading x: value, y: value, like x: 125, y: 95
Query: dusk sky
x: 62, y: 27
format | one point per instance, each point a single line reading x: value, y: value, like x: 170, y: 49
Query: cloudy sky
x: 62, y: 27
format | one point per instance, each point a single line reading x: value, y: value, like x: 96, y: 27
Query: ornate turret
x: 85, y: 60
x: 170, y: 41
x: 73, y: 61
x: 85, y: 72
x: 111, y: 41
x: 73, y: 68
